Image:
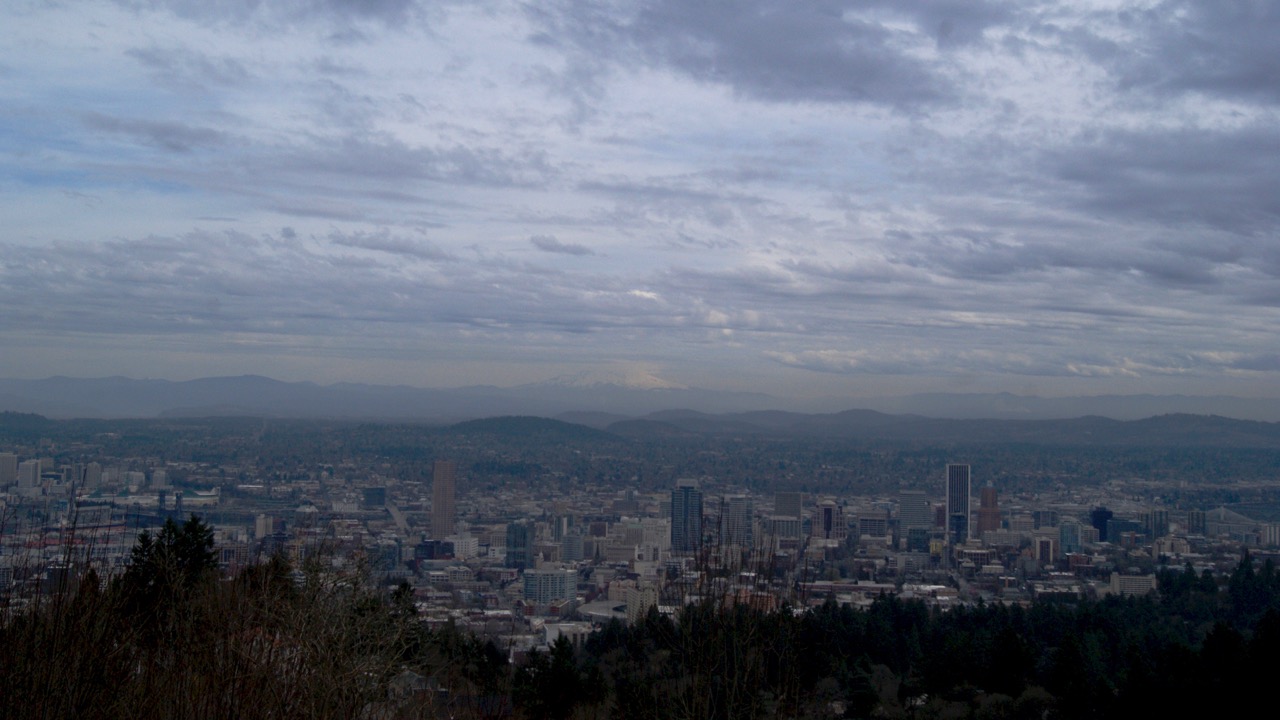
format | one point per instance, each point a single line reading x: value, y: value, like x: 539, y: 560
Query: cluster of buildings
x: 507, y: 562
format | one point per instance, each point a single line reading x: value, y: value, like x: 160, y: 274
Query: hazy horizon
x: 811, y: 200
x: 587, y: 378
x: 254, y: 395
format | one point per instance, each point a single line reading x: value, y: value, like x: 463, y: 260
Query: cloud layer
x: 808, y: 198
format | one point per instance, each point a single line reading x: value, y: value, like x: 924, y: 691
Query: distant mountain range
x: 589, y: 400
x: 119, y: 397
x: 1174, y: 430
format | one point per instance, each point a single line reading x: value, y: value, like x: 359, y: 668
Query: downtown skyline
x: 811, y: 200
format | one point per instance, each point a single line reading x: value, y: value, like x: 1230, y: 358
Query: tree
x: 551, y: 685
x: 169, y: 564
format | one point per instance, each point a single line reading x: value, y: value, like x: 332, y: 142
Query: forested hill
x: 1161, y: 431
x: 272, y: 642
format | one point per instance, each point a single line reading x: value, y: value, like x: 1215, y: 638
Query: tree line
x: 172, y: 638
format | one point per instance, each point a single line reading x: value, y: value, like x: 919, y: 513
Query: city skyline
x: 829, y: 199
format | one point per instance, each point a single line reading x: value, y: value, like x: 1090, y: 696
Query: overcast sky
x: 808, y: 198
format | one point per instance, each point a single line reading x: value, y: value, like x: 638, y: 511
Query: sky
x: 808, y: 199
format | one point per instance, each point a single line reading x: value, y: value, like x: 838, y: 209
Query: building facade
x: 686, y: 517
x: 443, y: 504
x: 988, y: 511
x: 736, y: 521
x: 959, y: 490
x: 520, y: 545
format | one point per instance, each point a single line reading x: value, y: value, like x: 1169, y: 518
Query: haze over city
x: 806, y: 199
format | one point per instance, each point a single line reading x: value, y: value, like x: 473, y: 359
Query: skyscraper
x: 686, y: 517
x: 736, y: 521
x: 788, y: 504
x: 443, y: 508
x: 520, y: 545
x: 828, y: 522
x: 958, y: 493
x: 988, y: 511
x: 914, y: 510
x: 788, y: 515
x: 8, y: 469
x: 29, y: 474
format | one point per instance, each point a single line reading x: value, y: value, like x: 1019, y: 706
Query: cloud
x: 187, y: 68
x: 389, y: 158
x: 825, y: 52
x: 171, y: 136
x: 1258, y: 362
x: 832, y: 361
x: 389, y: 12
x: 384, y: 241
x: 1215, y: 178
x: 549, y: 243
x: 1224, y: 49
x: 935, y: 190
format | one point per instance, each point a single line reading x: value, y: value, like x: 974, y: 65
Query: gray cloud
x: 172, y: 136
x: 384, y: 241
x: 549, y: 243
x: 390, y: 12
x: 832, y: 191
x: 1224, y: 49
x: 385, y: 158
x: 186, y: 68
x: 1214, y: 178
x: 1262, y: 362
x: 843, y: 52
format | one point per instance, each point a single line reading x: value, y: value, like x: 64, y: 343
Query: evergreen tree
x: 166, y: 566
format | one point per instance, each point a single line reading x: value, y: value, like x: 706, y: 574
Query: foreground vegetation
x: 170, y: 639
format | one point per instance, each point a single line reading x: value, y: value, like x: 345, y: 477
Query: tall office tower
x: 988, y: 511
x: 8, y: 469
x: 788, y: 504
x: 1069, y: 536
x: 1157, y: 522
x: 520, y: 545
x: 828, y: 521
x: 443, y: 488
x: 1195, y: 522
x: 958, y: 492
x: 1098, y: 518
x: 873, y: 524
x: 736, y: 521
x: 29, y: 473
x: 788, y: 515
x: 92, y: 475
x: 571, y: 547
x: 914, y: 510
x: 686, y: 517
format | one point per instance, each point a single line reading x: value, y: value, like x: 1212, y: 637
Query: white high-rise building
x: 639, y: 600
x: 542, y: 587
